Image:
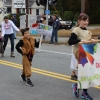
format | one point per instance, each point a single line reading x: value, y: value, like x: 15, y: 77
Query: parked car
x: 63, y: 24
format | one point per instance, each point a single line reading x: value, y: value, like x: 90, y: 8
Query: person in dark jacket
x: 26, y: 47
x: 55, y: 26
x: 14, y: 20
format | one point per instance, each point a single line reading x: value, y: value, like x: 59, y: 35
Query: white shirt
x: 7, y: 28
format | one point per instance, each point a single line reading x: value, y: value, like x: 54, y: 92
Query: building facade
x: 10, y: 9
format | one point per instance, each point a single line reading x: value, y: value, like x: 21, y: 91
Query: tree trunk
x: 83, y: 6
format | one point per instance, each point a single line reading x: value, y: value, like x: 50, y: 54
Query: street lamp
x: 53, y: 2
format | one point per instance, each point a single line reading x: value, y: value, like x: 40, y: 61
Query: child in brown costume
x: 26, y: 47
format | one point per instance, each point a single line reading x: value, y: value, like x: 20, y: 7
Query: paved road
x: 51, y: 76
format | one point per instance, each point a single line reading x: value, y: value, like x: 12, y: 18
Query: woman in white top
x: 7, y: 32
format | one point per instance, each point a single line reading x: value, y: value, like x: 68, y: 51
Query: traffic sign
x: 19, y: 3
x: 47, y: 11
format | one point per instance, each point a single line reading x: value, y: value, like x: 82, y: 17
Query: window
x: 21, y: 11
x: 37, y: 11
x: 9, y: 10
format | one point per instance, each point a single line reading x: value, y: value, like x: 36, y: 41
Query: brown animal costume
x: 27, y: 50
x: 26, y: 47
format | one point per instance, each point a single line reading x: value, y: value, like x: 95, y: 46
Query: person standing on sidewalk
x: 14, y: 20
x: 7, y: 32
x: 55, y: 25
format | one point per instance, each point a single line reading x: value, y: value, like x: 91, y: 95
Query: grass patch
x: 66, y: 33
x: 94, y: 25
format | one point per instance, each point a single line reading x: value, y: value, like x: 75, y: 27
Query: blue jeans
x: 44, y: 37
x: 11, y: 37
x: 54, y: 34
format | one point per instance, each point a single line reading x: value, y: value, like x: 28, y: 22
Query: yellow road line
x: 46, y: 74
x: 38, y: 71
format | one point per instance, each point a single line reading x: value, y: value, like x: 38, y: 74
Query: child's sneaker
x: 86, y: 96
x: 28, y: 82
x: 74, y: 87
x: 74, y: 77
x: 23, y: 77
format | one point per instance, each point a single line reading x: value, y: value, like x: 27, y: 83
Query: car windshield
x: 59, y: 18
x: 51, y: 17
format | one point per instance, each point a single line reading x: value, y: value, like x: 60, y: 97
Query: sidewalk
x: 63, y: 35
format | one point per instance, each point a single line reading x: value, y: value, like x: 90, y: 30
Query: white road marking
x: 62, y: 53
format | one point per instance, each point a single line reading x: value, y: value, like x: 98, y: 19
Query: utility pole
x: 27, y: 12
x: 47, y: 14
x: 46, y: 24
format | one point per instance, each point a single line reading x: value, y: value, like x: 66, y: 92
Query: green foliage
x: 58, y: 13
x: 68, y: 15
x: 75, y: 19
x: 61, y: 7
x: 76, y: 16
x: 92, y: 9
x: 74, y: 5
